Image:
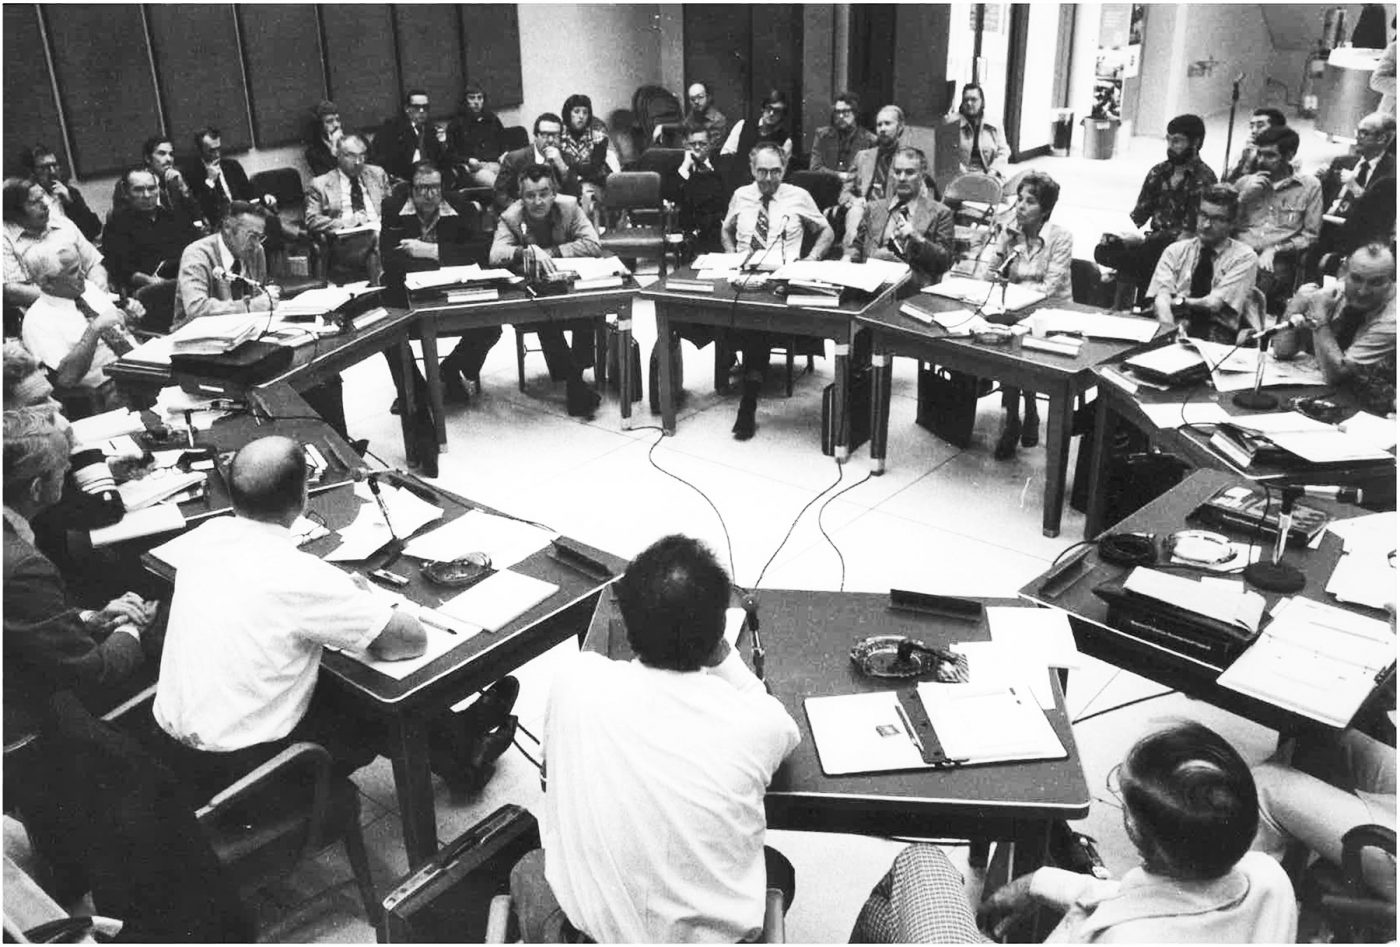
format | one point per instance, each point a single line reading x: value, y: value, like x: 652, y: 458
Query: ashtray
x: 900, y: 657
x: 458, y: 573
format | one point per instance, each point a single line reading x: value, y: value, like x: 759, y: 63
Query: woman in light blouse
x: 1035, y: 253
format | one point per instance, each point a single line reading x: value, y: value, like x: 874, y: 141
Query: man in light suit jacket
x: 216, y: 271
x: 910, y: 226
x: 531, y: 234
x: 348, y: 198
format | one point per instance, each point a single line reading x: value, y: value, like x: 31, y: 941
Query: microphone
x: 750, y: 606
x: 224, y: 274
x: 1295, y: 321
x: 361, y: 475
x: 1006, y: 264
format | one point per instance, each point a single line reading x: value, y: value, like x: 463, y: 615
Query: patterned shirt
x: 591, y: 154
x: 1172, y: 207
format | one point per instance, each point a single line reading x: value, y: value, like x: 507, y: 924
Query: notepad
x: 161, y: 518
x: 498, y: 600
x: 505, y: 540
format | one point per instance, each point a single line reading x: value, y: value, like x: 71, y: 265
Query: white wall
x: 1038, y: 89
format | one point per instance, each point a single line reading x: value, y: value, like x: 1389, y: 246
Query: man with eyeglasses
x: 1358, y: 190
x: 870, y: 178
x: 144, y: 241
x: 1248, y: 163
x: 406, y: 139
x: 41, y: 162
x: 1203, y: 282
x: 346, y: 201
x: 701, y: 116
x: 835, y: 146
x: 546, y: 150
x: 222, y: 273
x: 216, y: 181
x: 771, y: 127
x: 28, y: 229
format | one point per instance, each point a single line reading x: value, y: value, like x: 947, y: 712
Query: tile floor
x: 940, y: 519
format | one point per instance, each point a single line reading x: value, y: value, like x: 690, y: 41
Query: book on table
x: 1247, y: 510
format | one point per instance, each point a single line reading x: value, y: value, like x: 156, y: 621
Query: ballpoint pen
x: 908, y: 727
x: 433, y: 623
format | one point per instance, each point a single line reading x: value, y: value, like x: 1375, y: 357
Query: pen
x: 908, y: 727
x: 425, y: 620
x: 189, y: 427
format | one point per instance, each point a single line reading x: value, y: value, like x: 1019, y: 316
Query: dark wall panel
x: 104, y: 81
x: 430, y: 53
x: 201, y: 77
x: 717, y: 50
x: 921, y: 61
x: 31, y: 114
x: 871, y: 65
x: 776, y: 38
x: 285, y: 81
x: 361, y: 62
x: 491, y: 38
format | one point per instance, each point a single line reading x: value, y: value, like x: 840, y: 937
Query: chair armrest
x: 132, y: 703
x: 774, y: 923
x: 498, y: 920
x: 1355, y: 841
x: 294, y: 756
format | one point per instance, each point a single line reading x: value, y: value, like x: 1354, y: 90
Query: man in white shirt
x: 653, y: 821
x: 29, y: 228
x: 248, y: 620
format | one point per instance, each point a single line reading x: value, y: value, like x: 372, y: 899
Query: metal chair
x: 974, y: 199
x: 635, y: 218
x: 1340, y: 897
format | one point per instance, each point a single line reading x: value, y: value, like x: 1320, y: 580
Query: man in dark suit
x: 549, y: 130
x: 475, y: 140
x: 64, y: 200
x: 424, y: 229
x: 1358, y: 191
x: 216, y: 181
x: 407, y: 139
x: 910, y: 226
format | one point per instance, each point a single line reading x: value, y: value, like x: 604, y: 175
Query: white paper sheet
x: 103, y: 427
x: 1378, y: 432
x: 161, y: 518
x: 498, y: 600
x: 439, y: 642
x: 1092, y: 324
x: 1042, y: 632
x: 985, y: 295
x: 992, y: 662
x: 592, y: 267
x: 505, y: 540
x: 1375, y: 531
x: 1172, y: 415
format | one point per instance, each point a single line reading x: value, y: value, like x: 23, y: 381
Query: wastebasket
x: 1100, y: 135
x: 1061, y: 132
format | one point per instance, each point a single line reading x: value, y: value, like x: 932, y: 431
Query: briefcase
x: 858, y: 401
x: 447, y: 900
x: 947, y: 404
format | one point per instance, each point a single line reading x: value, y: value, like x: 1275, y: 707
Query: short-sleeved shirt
x: 1172, y: 207
x: 61, y: 233
x: 1042, y: 264
x: 53, y: 327
x: 1373, y: 341
x: 1232, y: 275
x: 1285, y: 215
x: 248, y: 620
x: 788, y: 212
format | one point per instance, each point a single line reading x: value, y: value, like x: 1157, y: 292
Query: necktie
x: 1363, y: 171
x: 357, y: 196
x: 1345, y: 325
x: 1203, y: 274
x: 235, y: 286
x: 760, y: 227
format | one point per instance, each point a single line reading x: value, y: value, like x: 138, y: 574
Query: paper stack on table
x: 1365, y: 575
x: 1233, y: 368
x: 1026, y: 642
x: 368, y: 533
x: 103, y: 427
x: 505, y: 540
x: 1094, y: 325
x: 498, y: 600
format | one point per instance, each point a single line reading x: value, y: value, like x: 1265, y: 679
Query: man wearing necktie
x: 1353, y: 322
x: 1358, y: 192
x: 1203, y: 282
x: 407, y: 138
x: 348, y: 198
x: 911, y: 226
x: 216, y: 181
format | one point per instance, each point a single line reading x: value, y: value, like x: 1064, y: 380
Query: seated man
x: 249, y: 618
x: 911, y: 226
x: 1190, y: 809
x: 870, y: 178
x: 835, y: 146
x: 653, y: 823
x: 1167, y: 203
x: 158, y: 153
x: 217, y: 182
x: 1352, y: 323
x: 749, y: 225
x: 1248, y: 162
x: 1203, y: 282
x: 406, y: 139
x: 424, y: 230
x: 475, y: 140
x: 51, y: 644
x: 701, y: 192
x: 772, y: 127
x: 75, y: 333
x: 144, y: 242
x: 41, y: 164
x: 701, y: 115
x: 545, y: 150
x: 532, y: 232
x: 348, y: 198
x: 981, y: 145
x: 1358, y: 191
x: 325, y: 135
x: 28, y: 229
x: 1280, y: 211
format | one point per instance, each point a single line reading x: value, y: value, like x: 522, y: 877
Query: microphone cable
x: 831, y: 542
x: 793, y: 525
x: 729, y: 542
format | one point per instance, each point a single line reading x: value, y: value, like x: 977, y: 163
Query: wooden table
x: 1060, y: 377
x: 759, y: 310
x: 808, y: 637
x: 1187, y: 673
x: 1116, y: 405
x: 516, y: 306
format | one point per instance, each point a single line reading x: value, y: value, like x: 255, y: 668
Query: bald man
x: 1353, y: 322
x: 249, y: 618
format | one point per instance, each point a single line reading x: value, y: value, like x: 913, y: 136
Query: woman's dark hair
x: 672, y: 599
x: 1043, y: 186
x: 1191, y: 799
x: 577, y: 100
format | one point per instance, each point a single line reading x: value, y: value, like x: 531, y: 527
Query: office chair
x: 1087, y: 286
x: 825, y: 188
x: 284, y: 262
x: 515, y: 137
x: 499, y: 921
x: 634, y: 217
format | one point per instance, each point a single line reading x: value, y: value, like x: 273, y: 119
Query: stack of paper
x: 453, y: 276
x: 589, y: 268
x: 1365, y: 575
x: 1173, y: 414
x: 159, y: 485
x: 1233, y: 369
x: 1378, y: 432
x: 369, y: 532
x: 1094, y: 325
x: 986, y: 296
x: 861, y: 276
x: 94, y: 430
x: 505, y: 540
x: 498, y: 600
x: 160, y: 518
x: 215, y: 335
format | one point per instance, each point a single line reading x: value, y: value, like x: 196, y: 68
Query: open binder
x: 930, y: 726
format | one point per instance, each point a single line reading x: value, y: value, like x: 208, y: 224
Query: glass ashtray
x: 904, y: 658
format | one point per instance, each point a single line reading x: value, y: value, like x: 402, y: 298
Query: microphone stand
x: 395, y: 543
x: 1230, y: 125
x: 1256, y: 400
x: 1275, y: 575
x: 759, y: 655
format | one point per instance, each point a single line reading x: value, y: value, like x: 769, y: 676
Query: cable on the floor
x: 729, y: 543
x: 1116, y: 707
x: 793, y: 525
x: 526, y: 753
x: 831, y: 542
x: 1098, y: 693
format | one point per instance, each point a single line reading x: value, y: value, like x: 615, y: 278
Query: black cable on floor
x: 525, y: 753
x: 793, y: 525
x: 831, y: 542
x: 729, y: 543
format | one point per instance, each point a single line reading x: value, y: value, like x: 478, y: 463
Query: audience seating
x: 285, y: 185
x: 974, y: 199
x: 634, y: 218
x: 515, y: 137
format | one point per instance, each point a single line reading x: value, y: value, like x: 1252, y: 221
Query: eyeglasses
x: 1113, y: 782
x: 427, y: 188
x: 776, y: 109
x: 842, y: 111
x: 256, y: 236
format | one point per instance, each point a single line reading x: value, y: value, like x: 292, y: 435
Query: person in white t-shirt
x: 653, y: 821
x: 248, y: 620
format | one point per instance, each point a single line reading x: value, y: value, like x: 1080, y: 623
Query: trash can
x: 1061, y: 132
x: 1100, y: 134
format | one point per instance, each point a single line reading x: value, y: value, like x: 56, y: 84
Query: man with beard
x: 766, y: 219
x: 911, y: 226
x: 702, y: 116
x: 1168, y: 202
x: 981, y: 145
x: 1202, y: 282
x: 835, y: 146
x: 871, y: 172
x: 1280, y: 212
x: 475, y: 140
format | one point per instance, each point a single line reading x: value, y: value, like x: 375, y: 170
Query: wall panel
x: 282, y: 48
x: 200, y: 72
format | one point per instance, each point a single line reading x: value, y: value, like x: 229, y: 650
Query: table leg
x: 1057, y: 433
x: 600, y: 354
x: 413, y: 783
x: 624, y: 365
x: 879, y: 410
x: 1105, y: 428
x: 663, y: 371
x: 840, y: 407
x: 428, y: 337
x: 410, y: 401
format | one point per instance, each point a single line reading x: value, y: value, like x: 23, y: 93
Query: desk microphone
x: 750, y: 606
x: 229, y: 276
x: 1273, y: 574
x: 361, y: 475
x: 1295, y: 321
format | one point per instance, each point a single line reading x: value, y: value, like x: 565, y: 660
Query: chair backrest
x: 515, y: 137
x: 824, y: 188
x: 282, y: 183
x: 974, y: 186
x: 664, y: 161
x: 626, y: 190
x: 1087, y: 286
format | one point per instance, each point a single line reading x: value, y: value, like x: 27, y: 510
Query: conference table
x: 1061, y: 377
x: 517, y: 306
x: 807, y: 637
x: 1173, y: 667
x: 1121, y: 401
x: 758, y: 310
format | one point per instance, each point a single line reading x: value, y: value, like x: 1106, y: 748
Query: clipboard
x: 930, y: 726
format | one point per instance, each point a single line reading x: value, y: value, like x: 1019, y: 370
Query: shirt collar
x: 226, y: 254
x: 275, y: 531
x: 444, y: 209
x: 19, y: 524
